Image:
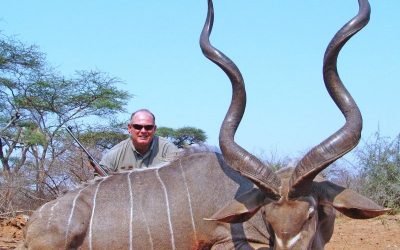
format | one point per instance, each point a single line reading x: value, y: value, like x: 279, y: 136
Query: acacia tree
x: 103, y: 138
x: 184, y: 136
x: 35, y: 146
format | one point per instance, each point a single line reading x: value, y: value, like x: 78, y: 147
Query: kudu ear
x: 242, y: 208
x: 351, y: 203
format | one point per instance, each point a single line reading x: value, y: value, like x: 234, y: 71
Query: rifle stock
x: 96, y: 166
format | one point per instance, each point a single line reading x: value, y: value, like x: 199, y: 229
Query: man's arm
x: 107, y: 163
x: 170, y: 151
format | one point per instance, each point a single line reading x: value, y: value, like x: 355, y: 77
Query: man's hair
x: 144, y: 110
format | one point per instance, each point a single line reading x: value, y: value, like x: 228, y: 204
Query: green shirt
x: 124, y: 156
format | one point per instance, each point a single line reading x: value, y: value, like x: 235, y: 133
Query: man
x: 142, y: 149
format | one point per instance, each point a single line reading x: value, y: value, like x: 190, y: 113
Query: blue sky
x: 152, y: 46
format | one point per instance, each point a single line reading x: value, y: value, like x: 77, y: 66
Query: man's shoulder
x: 164, y: 141
x: 166, y: 150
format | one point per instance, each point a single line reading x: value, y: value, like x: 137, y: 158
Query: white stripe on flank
x: 70, y: 216
x: 189, y: 200
x: 141, y: 214
x: 40, y: 210
x: 51, y: 214
x: 131, y: 212
x: 93, y: 209
x: 168, y: 210
x: 147, y: 225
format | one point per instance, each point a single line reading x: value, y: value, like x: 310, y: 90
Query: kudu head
x: 297, y: 205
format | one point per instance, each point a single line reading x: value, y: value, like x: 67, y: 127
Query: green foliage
x: 104, y: 138
x: 380, y: 170
x: 88, y: 93
x: 184, y: 136
x: 166, y: 132
x: 33, y: 137
x: 35, y: 150
x: 17, y: 57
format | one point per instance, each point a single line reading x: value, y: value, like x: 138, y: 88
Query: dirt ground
x: 11, y: 231
x: 378, y: 233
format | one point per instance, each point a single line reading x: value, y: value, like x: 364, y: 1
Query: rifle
x: 96, y: 166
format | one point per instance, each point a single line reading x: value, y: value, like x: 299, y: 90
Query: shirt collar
x: 148, y: 151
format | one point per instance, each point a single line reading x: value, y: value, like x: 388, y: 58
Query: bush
x: 379, y: 162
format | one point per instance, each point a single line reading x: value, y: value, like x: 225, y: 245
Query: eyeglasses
x: 139, y: 127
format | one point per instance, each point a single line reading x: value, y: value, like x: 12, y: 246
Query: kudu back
x: 207, y: 200
x: 155, y: 208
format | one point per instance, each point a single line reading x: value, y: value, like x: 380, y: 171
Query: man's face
x: 142, y: 129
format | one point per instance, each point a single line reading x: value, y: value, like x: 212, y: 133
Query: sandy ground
x: 11, y: 231
x: 378, y: 233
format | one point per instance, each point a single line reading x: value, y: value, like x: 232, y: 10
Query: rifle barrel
x: 95, y: 164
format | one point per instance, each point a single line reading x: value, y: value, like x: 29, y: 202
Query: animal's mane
x: 198, y: 148
x: 82, y: 185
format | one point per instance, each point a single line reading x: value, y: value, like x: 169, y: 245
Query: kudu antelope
x: 248, y: 205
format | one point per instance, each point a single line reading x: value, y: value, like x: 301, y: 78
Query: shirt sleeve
x: 170, y: 152
x: 108, y: 162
